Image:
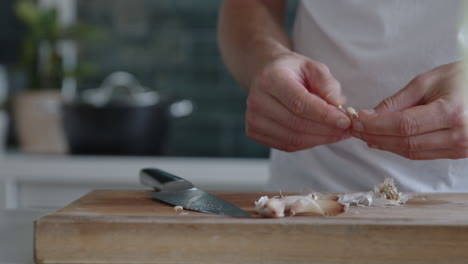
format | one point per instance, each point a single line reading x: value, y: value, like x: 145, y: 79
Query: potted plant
x: 37, y: 121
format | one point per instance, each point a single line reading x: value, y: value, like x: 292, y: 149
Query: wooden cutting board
x: 131, y: 227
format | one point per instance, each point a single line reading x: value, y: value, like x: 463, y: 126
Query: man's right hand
x: 292, y: 105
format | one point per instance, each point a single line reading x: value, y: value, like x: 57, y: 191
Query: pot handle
x: 181, y: 108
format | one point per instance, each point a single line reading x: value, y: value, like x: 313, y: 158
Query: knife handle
x: 163, y: 181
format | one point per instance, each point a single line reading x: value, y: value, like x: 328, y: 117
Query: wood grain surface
x: 131, y: 227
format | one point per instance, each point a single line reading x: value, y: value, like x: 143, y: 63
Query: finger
x: 277, y: 136
x: 407, y: 97
x: 299, y: 101
x: 440, y: 139
x: 432, y: 154
x: 321, y: 82
x: 261, y: 103
x: 412, y: 121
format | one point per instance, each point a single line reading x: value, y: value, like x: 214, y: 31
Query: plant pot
x: 38, y: 123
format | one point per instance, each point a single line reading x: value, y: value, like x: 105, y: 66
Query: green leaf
x: 28, y: 12
x: 44, y: 27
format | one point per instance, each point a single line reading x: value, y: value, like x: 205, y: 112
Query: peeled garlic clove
x: 306, y: 206
x: 314, y: 203
x: 273, y: 207
x: 320, y: 196
x: 352, y: 112
x: 330, y: 207
x: 290, y: 200
x: 320, y: 207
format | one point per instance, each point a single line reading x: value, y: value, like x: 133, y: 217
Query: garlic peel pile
x: 384, y: 194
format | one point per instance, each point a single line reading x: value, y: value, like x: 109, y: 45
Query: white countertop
x: 32, y: 186
x: 16, y: 235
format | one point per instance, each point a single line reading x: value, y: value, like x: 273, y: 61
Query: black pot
x: 116, y: 129
x: 101, y: 123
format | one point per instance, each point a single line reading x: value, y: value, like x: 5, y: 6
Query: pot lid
x: 120, y: 88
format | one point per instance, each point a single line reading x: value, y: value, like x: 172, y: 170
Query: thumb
x: 407, y: 97
x: 322, y: 83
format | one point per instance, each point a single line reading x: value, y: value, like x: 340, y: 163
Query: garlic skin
x: 387, y: 190
x: 384, y: 194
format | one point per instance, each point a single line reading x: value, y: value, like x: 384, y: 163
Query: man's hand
x: 425, y: 120
x: 292, y: 105
x: 292, y: 100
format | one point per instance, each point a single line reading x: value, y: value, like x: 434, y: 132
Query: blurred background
x: 91, y: 92
x: 119, y: 77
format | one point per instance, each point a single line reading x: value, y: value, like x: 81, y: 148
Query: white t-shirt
x: 374, y: 48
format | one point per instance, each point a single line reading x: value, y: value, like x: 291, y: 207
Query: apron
x: 373, y: 48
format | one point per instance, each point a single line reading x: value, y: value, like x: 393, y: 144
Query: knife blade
x: 175, y: 190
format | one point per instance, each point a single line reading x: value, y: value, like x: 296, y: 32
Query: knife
x: 177, y: 191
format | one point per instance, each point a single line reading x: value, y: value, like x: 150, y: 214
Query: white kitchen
x: 235, y: 131
x: 41, y: 167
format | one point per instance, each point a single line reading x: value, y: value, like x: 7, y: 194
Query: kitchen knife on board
x: 175, y: 190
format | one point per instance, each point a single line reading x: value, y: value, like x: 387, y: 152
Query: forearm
x: 251, y: 33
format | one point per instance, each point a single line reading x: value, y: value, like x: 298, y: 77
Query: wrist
x: 269, y: 50
x: 267, y: 61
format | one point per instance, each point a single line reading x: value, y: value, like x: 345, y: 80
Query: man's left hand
x: 428, y: 119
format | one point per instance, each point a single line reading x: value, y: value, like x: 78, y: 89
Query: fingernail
x: 358, y: 126
x: 336, y: 97
x: 369, y: 111
x: 341, y: 99
x: 342, y: 123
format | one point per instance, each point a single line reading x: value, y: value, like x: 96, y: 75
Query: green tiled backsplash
x: 171, y: 46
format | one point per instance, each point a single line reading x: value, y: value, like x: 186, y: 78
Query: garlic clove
x: 290, y: 200
x: 330, y: 207
x: 305, y: 206
x: 320, y: 207
x: 314, y: 203
x: 352, y: 112
x: 320, y: 196
x: 273, y: 207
